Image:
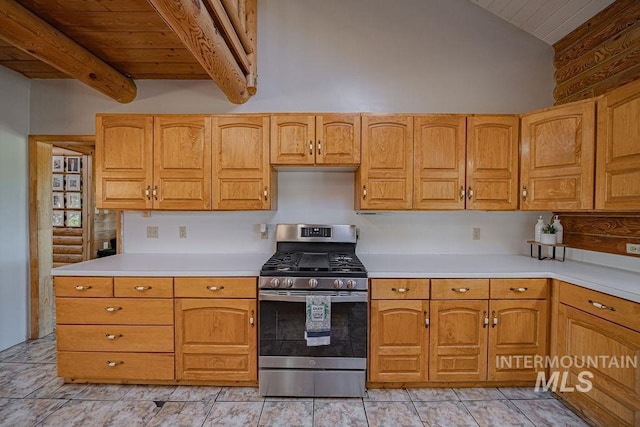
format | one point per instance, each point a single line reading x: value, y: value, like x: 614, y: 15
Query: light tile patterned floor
x: 32, y: 395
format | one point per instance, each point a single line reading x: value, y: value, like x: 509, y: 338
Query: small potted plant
x: 548, y: 236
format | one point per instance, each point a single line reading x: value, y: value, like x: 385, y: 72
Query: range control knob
x: 351, y: 284
x: 313, y: 283
x: 337, y: 283
x: 275, y: 282
x: 288, y: 283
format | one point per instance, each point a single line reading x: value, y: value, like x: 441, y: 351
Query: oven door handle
x: 268, y: 296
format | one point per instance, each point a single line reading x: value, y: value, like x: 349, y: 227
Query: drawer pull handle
x: 426, y: 319
x: 113, y: 309
x: 401, y: 290
x: 113, y: 363
x: 486, y: 319
x: 142, y: 288
x: 215, y: 288
x: 520, y: 290
x: 311, y: 148
x: 601, y: 306
x: 460, y: 290
x: 113, y: 336
x: 82, y: 288
x: 252, y: 320
x: 495, y: 319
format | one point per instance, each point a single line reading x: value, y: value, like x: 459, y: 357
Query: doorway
x: 61, y: 217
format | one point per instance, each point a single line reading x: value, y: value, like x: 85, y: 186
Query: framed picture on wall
x: 57, y: 219
x: 74, y: 219
x: 74, y: 200
x: 58, y: 201
x: 72, y: 182
x: 72, y: 164
x: 58, y: 182
x: 58, y: 164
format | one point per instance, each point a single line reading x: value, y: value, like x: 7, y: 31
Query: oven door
x: 282, y: 326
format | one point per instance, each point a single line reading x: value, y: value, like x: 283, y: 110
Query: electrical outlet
x: 633, y: 248
x: 476, y: 234
x: 264, y: 231
x: 182, y: 231
x: 152, y: 231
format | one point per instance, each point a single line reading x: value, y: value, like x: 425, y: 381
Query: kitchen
x: 484, y: 66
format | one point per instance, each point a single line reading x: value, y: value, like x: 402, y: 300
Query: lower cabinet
x: 216, y: 338
x: 598, y: 334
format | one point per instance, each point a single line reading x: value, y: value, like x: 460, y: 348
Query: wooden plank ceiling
x: 129, y: 35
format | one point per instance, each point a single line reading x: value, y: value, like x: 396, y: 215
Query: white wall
x: 347, y: 55
x: 14, y: 264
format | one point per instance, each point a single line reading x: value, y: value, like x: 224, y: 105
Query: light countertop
x: 612, y: 281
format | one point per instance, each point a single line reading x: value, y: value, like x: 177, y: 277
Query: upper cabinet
x: 384, y: 179
x: 146, y: 162
x: 492, y: 162
x: 618, y: 159
x: 330, y: 139
x: 465, y: 162
x: 241, y: 171
x: 557, y: 158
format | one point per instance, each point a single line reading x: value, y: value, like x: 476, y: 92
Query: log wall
x: 600, y: 55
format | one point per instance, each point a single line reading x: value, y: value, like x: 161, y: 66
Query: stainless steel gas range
x: 313, y: 314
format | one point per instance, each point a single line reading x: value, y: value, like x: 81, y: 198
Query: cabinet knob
x: 495, y: 319
x: 112, y: 363
x: 426, y: 319
x: 460, y: 290
x: 147, y: 192
x: 486, y: 319
x: 401, y: 290
x: 601, y: 306
x: 470, y: 193
x: 155, y: 192
x: 82, y: 288
x: 462, y: 193
x: 519, y: 290
x: 215, y: 288
x: 142, y: 288
x: 251, y: 319
x: 113, y: 336
x: 524, y: 193
x: 113, y: 309
x: 311, y: 148
x: 319, y: 147
x: 364, y: 192
x: 265, y: 193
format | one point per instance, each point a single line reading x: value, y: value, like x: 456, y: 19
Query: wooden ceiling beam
x: 251, y: 24
x: 230, y: 32
x: 29, y: 33
x: 191, y: 22
x: 239, y: 23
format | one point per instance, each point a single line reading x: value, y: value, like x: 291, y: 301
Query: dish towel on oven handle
x: 318, y: 322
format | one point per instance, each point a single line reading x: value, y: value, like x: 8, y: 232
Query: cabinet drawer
x: 116, y: 366
x: 143, y: 287
x: 399, y: 288
x: 617, y: 310
x: 519, y: 289
x: 459, y: 288
x: 114, y: 311
x: 83, y: 286
x: 152, y: 339
x: 216, y: 287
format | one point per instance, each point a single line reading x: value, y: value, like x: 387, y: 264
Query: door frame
x: 80, y: 143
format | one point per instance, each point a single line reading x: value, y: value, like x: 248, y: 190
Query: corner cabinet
x: 329, y: 139
x: 558, y: 157
x: 385, y: 177
x: 161, y: 162
x: 618, y: 157
x: 399, y: 330
x: 242, y: 176
x: 216, y: 337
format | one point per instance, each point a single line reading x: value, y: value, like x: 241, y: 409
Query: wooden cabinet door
x: 241, y: 170
x: 458, y: 340
x: 338, y: 139
x: 618, y: 158
x: 292, y: 140
x: 518, y: 328
x: 216, y: 340
x: 399, y: 339
x: 182, y: 162
x: 557, y: 165
x: 439, y: 167
x: 124, y: 159
x: 614, y: 399
x: 385, y: 177
x: 492, y: 162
